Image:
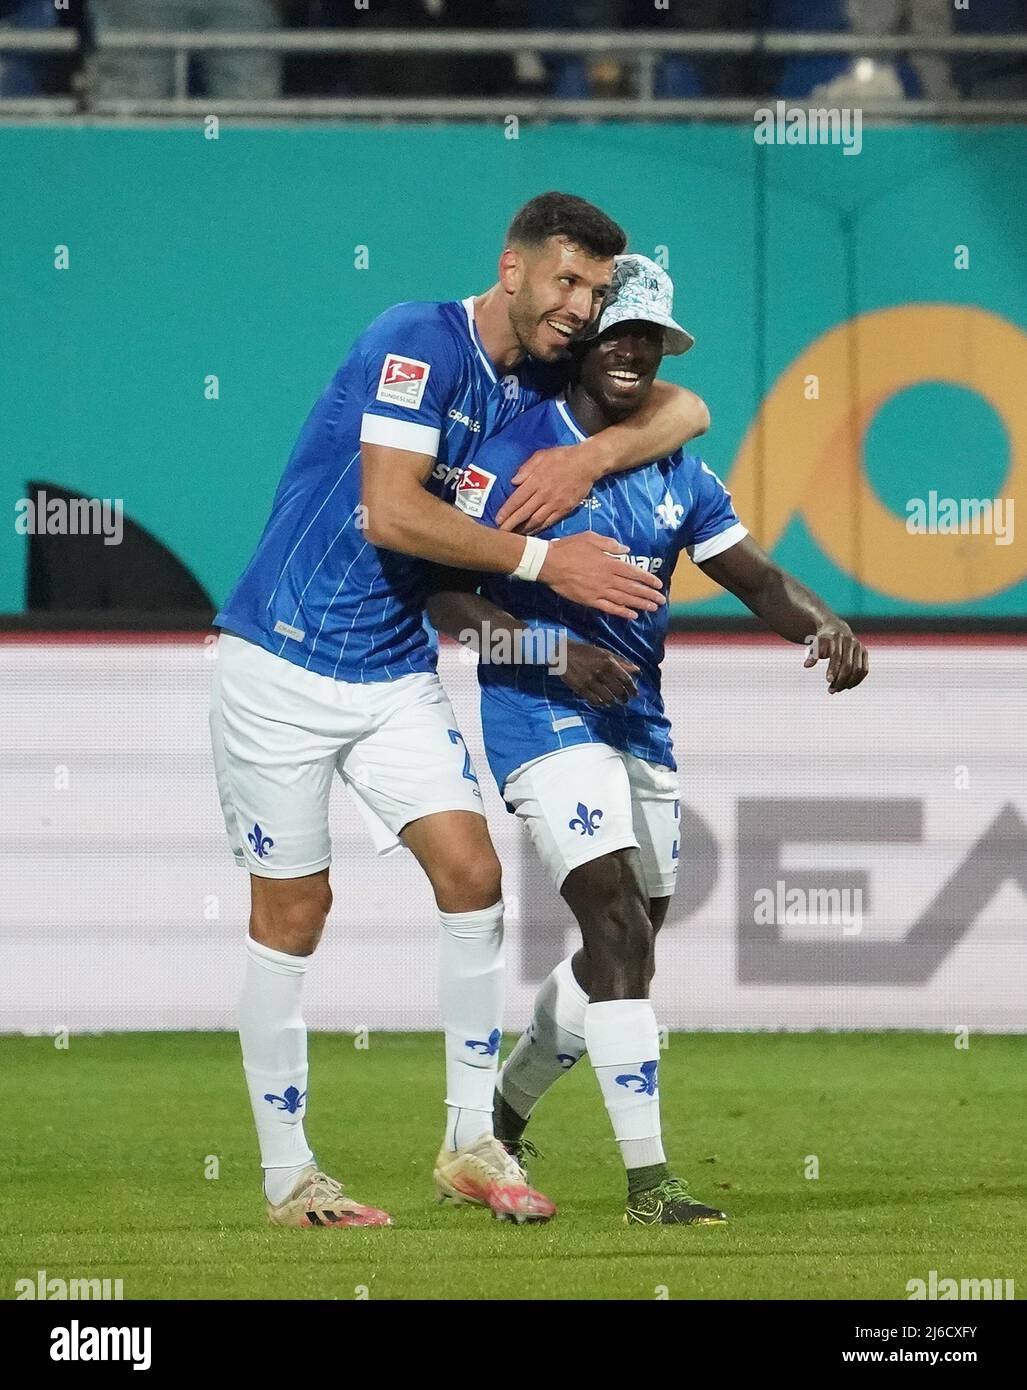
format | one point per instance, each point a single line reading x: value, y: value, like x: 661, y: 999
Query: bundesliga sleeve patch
x: 472, y: 491
x: 402, y: 381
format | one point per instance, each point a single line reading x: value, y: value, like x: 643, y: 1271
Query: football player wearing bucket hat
x: 577, y: 737
x: 642, y: 290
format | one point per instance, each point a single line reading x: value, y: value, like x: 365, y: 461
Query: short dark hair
x: 562, y: 214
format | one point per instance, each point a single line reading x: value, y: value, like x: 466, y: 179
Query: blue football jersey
x: 316, y: 591
x: 657, y: 510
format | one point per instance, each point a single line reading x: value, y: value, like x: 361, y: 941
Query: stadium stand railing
x: 639, y: 50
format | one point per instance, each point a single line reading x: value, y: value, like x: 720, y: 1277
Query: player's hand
x: 848, y: 662
x: 584, y: 568
x: 549, y: 486
x: 598, y: 676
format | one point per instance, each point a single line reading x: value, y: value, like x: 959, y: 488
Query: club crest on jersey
x: 403, y: 380
x: 669, y: 513
x: 473, y: 489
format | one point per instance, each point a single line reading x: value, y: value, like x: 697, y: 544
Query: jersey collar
x: 561, y: 404
x: 472, y: 329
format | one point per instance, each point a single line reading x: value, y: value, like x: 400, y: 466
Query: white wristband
x: 533, y: 557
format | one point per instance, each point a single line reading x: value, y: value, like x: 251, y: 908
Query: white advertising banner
x: 854, y: 861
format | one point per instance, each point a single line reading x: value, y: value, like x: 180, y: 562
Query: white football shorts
x: 280, y: 732
x: 588, y: 800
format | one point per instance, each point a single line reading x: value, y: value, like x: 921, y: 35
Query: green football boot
x: 670, y: 1203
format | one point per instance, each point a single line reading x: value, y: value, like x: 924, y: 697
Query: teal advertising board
x: 861, y: 321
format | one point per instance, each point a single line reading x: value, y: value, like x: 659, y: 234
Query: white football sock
x: 553, y: 1042
x: 624, y: 1047
x: 274, y: 1052
x: 471, y: 971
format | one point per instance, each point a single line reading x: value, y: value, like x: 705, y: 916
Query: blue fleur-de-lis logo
x: 566, y: 1060
x: 586, y: 821
x: 645, y: 1076
x: 290, y: 1102
x: 262, y: 844
x: 669, y: 513
x: 487, y: 1049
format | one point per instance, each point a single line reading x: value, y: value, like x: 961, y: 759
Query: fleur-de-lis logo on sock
x: 645, y: 1077
x: 586, y: 821
x: 262, y: 844
x: 290, y: 1102
x: 487, y: 1049
x: 669, y: 513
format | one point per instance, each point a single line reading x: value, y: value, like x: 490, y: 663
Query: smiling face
x: 617, y: 369
x: 556, y: 290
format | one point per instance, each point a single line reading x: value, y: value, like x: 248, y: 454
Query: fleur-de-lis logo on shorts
x: 262, y: 844
x: 669, y: 513
x: 645, y: 1077
x: 586, y: 821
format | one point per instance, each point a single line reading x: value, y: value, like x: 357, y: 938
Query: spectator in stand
x: 404, y: 73
x: 992, y: 76
x: 479, y: 74
x: 845, y: 77
x: 319, y: 74
x: 142, y: 73
x: 20, y: 73
x: 570, y: 75
x: 681, y: 75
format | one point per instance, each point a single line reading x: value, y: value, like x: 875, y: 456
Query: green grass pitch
x: 919, y: 1145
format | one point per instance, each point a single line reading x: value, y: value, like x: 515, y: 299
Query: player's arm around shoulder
x: 667, y: 419
x: 399, y: 514
x: 455, y: 605
x: 412, y: 374
x: 552, y: 482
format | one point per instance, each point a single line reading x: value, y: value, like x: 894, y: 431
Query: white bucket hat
x: 642, y: 290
